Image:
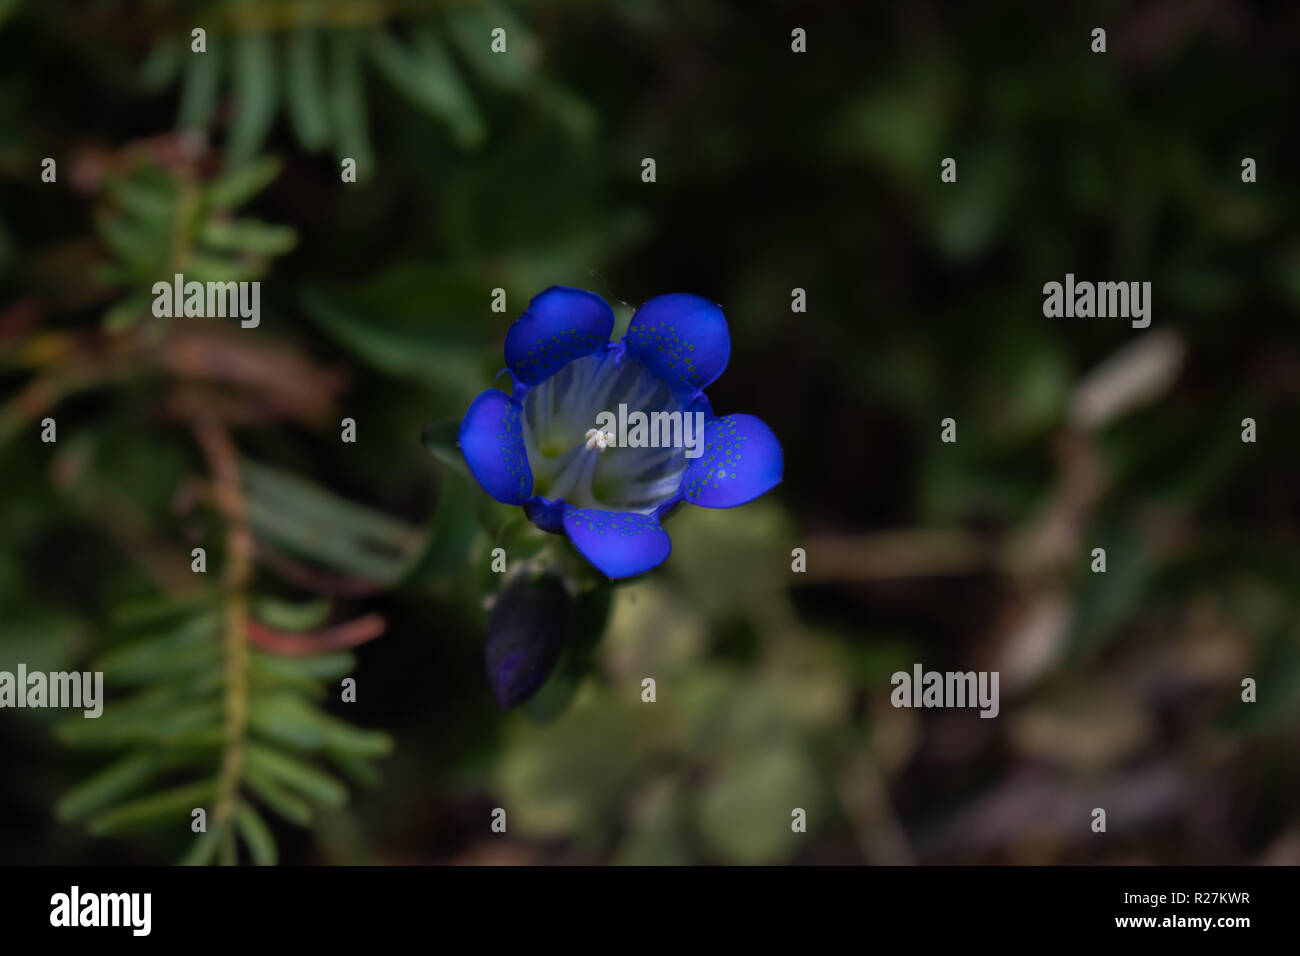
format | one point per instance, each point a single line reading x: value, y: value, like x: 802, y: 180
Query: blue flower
x: 532, y: 447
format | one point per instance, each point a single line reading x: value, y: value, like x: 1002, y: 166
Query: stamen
x: 598, y: 440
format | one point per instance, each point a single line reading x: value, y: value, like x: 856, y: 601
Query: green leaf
x: 1108, y: 601
x: 133, y: 242
x: 149, y: 712
x: 298, y: 533
x: 471, y: 30
x: 237, y: 186
x: 275, y: 486
x: 155, y: 809
x: 287, y: 616
x: 308, y: 108
x: 313, y: 668
x: 162, y: 65
x: 277, y: 798
x: 112, y: 783
x: 311, y: 522
x: 229, y: 852
x: 190, y: 726
x: 158, y: 611
x: 397, y: 326
x: 44, y: 638
x: 256, y: 834
x: 348, y: 104
x: 429, y: 79
x: 256, y: 93
x: 177, y: 650
x: 296, y: 774
x: 359, y: 769
x: 202, y: 850
x: 576, y: 115
x: 288, y: 719
x: 248, y: 236
x: 147, y: 194
x: 199, y: 93
x: 168, y: 694
x: 125, y: 314
x: 214, y: 268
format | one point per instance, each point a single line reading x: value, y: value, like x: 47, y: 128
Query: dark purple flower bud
x: 525, y: 637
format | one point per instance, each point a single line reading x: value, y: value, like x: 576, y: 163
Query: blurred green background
x: 775, y: 170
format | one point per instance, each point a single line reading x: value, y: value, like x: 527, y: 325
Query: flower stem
x: 223, y: 460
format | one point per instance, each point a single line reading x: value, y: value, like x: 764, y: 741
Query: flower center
x: 598, y: 440
x: 571, y: 460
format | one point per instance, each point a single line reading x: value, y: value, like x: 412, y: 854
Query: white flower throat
x: 602, y: 467
x: 658, y: 429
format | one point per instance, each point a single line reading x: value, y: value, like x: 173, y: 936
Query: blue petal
x: 545, y: 513
x: 620, y: 544
x: 742, y: 459
x: 560, y: 325
x: 683, y: 339
x: 493, y: 446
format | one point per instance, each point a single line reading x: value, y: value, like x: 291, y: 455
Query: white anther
x: 598, y: 440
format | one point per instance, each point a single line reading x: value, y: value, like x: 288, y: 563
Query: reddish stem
x: 334, y: 638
